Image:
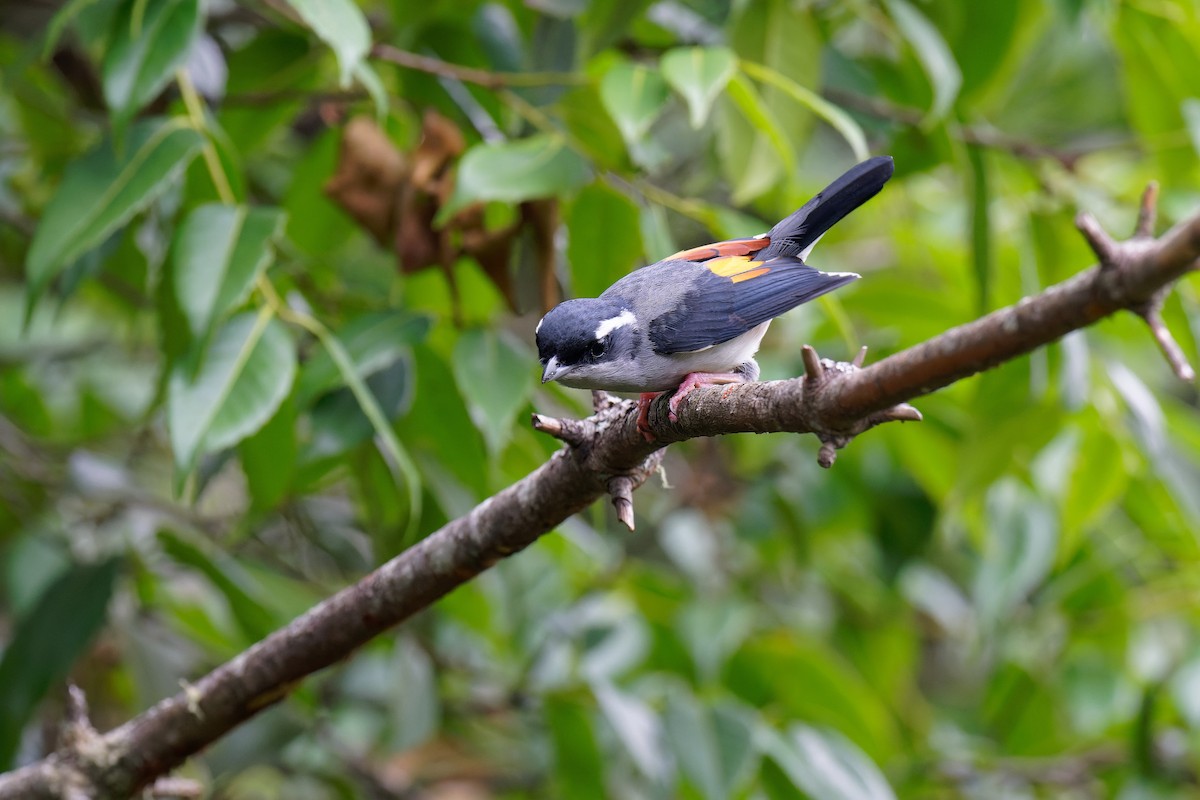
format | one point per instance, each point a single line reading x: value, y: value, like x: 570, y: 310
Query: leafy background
x: 266, y: 310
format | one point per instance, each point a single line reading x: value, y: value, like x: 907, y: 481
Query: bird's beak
x: 553, y: 370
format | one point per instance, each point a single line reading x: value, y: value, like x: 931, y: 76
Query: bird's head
x: 583, y: 343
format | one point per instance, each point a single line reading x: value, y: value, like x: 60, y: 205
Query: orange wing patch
x: 754, y: 273
x: 733, y: 247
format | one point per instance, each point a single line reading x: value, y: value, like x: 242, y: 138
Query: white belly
x: 727, y: 355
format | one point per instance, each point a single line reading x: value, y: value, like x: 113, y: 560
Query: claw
x: 643, y: 420
x: 695, y: 379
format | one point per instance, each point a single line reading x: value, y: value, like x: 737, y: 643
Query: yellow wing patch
x: 731, y: 266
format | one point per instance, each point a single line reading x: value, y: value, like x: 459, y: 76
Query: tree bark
x: 604, y: 454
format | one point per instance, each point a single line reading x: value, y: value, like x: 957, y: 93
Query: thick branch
x: 606, y: 454
x: 1140, y: 269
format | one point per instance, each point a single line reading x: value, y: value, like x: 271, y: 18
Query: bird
x: 696, y: 318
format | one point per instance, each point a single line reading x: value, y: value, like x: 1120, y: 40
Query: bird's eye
x: 597, y: 347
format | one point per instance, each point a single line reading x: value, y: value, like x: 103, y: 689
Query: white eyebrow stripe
x: 606, y: 327
x: 539, y: 326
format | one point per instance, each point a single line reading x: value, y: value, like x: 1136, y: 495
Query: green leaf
x: 934, y: 55
x: 496, y: 378
x: 245, y: 373
x: 784, y: 38
x: 577, y: 111
x: 657, y: 242
x: 219, y: 252
x: 1159, y: 58
x: 604, y: 239
x: 538, y: 166
x: 1098, y: 693
x: 440, y: 426
x: 399, y: 462
x: 100, y: 192
x: 47, y: 641
x: 59, y: 22
x: 981, y: 225
x: 269, y: 458
x: 369, y: 79
x: 338, y: 423
x: 1190, y: 109
x: 982, y: 58
x: 634, y: 96
x: 822, y: 687
x: 149, y: 42
x: 1021, y: 543
x: 1184, y: 686
x: 762, y: 119
x: 342, y: 26
x: 602, y: 24
x: 699, y: 74
x: 578, y: 760
x: 31, y: 563
x: 316, y: 226
x: 638, y: 729
x: 1096, y: 482
x: 712, y: 630
x: 837, y: 119
x: 500, y: 37
x: 824, y: 764
x: 714, y: 747
x: 373, y: 341
x: 247, y: 603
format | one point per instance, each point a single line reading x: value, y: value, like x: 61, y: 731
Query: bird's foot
x: 695, y: 379
x: 643, y: 421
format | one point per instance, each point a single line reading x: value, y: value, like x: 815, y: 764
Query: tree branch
x: 604, y: 454
x: 980, y: 135
x: 479, y: 77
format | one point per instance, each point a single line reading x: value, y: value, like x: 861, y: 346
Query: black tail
x: 805, y: 225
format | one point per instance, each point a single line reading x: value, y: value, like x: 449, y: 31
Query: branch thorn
x: 813, y: 371
x: 621, y: 489
x: 1151, y: 314
x: 827, y: 454
x: 77, y: 707
x: 1147, y: 212
x: 860, y: 357
x: 902, y: 412
x: 177, y: 788
x: 573, y: 432
x: 1101, y: 243
x: 602, y: 401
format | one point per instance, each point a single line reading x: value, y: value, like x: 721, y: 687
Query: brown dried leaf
x: 369, y: 175
x: 436, y: 761
x: 542, y: 217
x: 396, y: 198
x: 441, y: 145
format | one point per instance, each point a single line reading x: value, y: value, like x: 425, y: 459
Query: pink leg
x: 695, y: 379
x: 643, y: 423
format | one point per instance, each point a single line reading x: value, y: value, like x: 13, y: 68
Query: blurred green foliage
x: 221, y: 399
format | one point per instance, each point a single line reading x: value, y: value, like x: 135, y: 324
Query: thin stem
x: 479, y: 77
x: 195, y: 109
x: 399, y: 458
